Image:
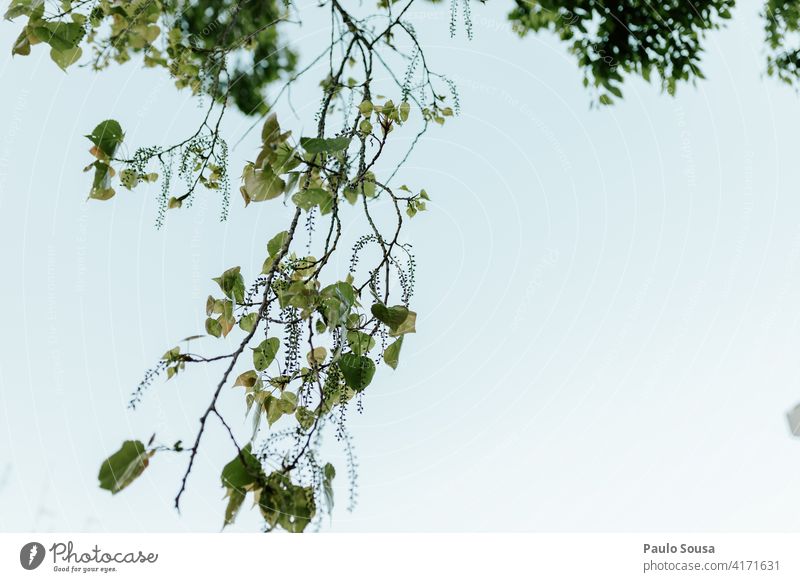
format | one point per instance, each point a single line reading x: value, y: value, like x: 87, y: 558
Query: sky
x: 608, y: 328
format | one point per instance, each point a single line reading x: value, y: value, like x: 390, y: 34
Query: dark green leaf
x: 107, y: 136
x: 393, y: 317
x: 62, y: 36
x: 316, y: 145
x: 357, y: 370
x: 243, y: 472
x: 265, y: 353
x: 213, y: 327
x: 120, y: 469
x: 232, y: 284
x: 408, y: 326
x: 285, y: 504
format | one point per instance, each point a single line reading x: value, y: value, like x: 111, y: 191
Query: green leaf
x: 102, y: 193
x: 265, y: 353
x: 288, y: 402
x: 22, y: 46
x: 408, y: 326
x: 360, y: 342
x: 308, y: 199
x: 226, y: 319
x: 368, y: 185
x: 274, y: 409
x: 101, y: 189
x: 213, y: 327
x: 365, y: 108
x: 67, y: 57
x: 365, y: 127
x: 357, y: 370
x: 405, y: 109
x: 23, y: 7
x: 350, y: 195
x: 242, y: 472
x: 62, y: 36
x: 107, y: 136
x: 232, y: 284
x: 304, y: 417
x: 316, y: 357
x: 301, y: 510
x: 393, y: 317
x: 267, y: 266
x: 276, y: 243
x: 284, y: 504
x: 329, y: 472
x: 271, y: 132
x: 129, y: 178
x: 247, y: 379
x: 262, y: 184
x: 298, y: 294
x: 337, y: 301
x: 120, y: 469
x: 235, y: 500
x: 391, y: 355
x: 316, y: 145
x: 249, y: 321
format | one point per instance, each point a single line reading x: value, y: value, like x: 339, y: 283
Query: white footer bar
x: 406, y: 557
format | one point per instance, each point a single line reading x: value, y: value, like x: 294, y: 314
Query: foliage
x: 228, y: 49
x: 319, y: 341
x: 308, y: 346
x: 611, y: 39
x: 120, y: 469
x: 782, y: 23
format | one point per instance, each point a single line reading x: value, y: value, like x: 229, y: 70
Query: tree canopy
x: 308, y: 345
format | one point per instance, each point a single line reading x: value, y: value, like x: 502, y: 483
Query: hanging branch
x: 347, y: 327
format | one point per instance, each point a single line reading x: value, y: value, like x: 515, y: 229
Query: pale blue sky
x: 608, y: 300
